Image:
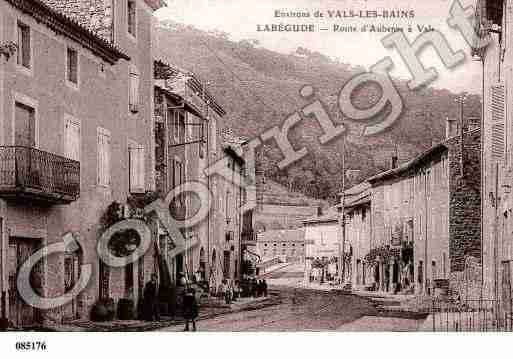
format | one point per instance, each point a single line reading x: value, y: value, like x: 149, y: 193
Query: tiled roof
x: 52, y: 14
x: 90, y: 14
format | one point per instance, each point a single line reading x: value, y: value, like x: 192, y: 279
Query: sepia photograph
x: 321, y: 173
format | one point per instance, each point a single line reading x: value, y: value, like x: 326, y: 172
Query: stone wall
x: 465, y: 200
x: 466, y: 284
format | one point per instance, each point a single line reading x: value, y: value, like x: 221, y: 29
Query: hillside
x: 259, y: 89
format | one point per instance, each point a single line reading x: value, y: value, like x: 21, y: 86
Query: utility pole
x: 342, y: 215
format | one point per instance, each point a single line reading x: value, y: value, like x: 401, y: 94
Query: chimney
x: 451, y: 128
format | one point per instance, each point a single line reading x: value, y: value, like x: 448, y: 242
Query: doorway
x: 72, y: 264
x: 226, y: 265
x: 22, y: 314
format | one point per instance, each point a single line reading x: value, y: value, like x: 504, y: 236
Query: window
x: 177, y: 172
x: 72, y: 66
x: 132, y: 18
x: 202, y: 140
x: 134, y: 89
x: 72, y: 138
x: 24, y: 46
x: 25, y: 125
x: 104, y: 141
x: 136, y: 161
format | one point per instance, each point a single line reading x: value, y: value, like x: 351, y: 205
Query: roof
x: 190, y: 107
x: 282, y: 235
x: 331, y: 215
x: 56, y: 15
x: 415, y: 162
x: 91, y: 14
x: 166, y: 71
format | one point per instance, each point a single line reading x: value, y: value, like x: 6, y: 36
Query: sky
x: 240, y: 19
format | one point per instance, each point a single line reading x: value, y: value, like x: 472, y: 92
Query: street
x: 305, y: 309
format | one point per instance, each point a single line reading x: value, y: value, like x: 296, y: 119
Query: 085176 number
x: 31, y: 346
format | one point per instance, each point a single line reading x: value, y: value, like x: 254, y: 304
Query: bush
x: 104, y: 310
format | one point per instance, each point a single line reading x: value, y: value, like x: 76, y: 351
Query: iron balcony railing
x: 35, y: 174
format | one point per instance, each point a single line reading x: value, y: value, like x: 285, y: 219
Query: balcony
x: 32, y: 174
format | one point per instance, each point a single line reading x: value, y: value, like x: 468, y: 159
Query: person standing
x: 151, y: 300
x: 254, y: 288
x: 190, y: 308
x: 265, y: 287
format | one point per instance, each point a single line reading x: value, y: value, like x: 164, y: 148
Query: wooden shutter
x: 72, y: 140
x: 103, y: 157
x: 72, y: 66
x: 134, y: 89
x: 498, y: 122
x: 136, y: 154
x: 24, y: 45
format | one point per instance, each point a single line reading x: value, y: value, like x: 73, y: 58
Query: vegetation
x: 259, y: 89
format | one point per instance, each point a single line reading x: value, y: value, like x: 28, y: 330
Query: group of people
x: 247, y: 288
x: 189, y: 304
x: 250, y: 287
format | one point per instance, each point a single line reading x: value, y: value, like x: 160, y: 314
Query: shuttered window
x: 498, y: 122
x: 24, y: 53
x: 136, y: 160
x: 134, y: 89
x: 72, y: 66
x: 104, y: 157
x: 132, y: 17
x: 72, y: 139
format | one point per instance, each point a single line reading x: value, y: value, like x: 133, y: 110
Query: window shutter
x: 136, y: 154
x: 104, y: 158
x: 72, y: 140
x: 498, y: 122
x: 134, y: 89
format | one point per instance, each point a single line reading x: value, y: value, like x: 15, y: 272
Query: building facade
x: 323, y: 250
x: 416, y: 227
x: 74, y: 110
x: 493, y: 23
x: 288, y: 245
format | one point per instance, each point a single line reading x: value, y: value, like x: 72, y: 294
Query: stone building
x: 494, y: 19
x: 422, y: 220
x: 287, y: 244
x: 323, y: 245
x: 76, y: 136
x: 358, y: 235
x: 193, y: 147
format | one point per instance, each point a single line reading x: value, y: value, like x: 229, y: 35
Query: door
x: 72, y: 263
x: 226, y: 265
x: 25, y: 126
x: 27, y: 172
x: 506, y: 288
x: 22, y: 314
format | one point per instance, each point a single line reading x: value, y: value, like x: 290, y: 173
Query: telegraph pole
x: 342, y: 215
